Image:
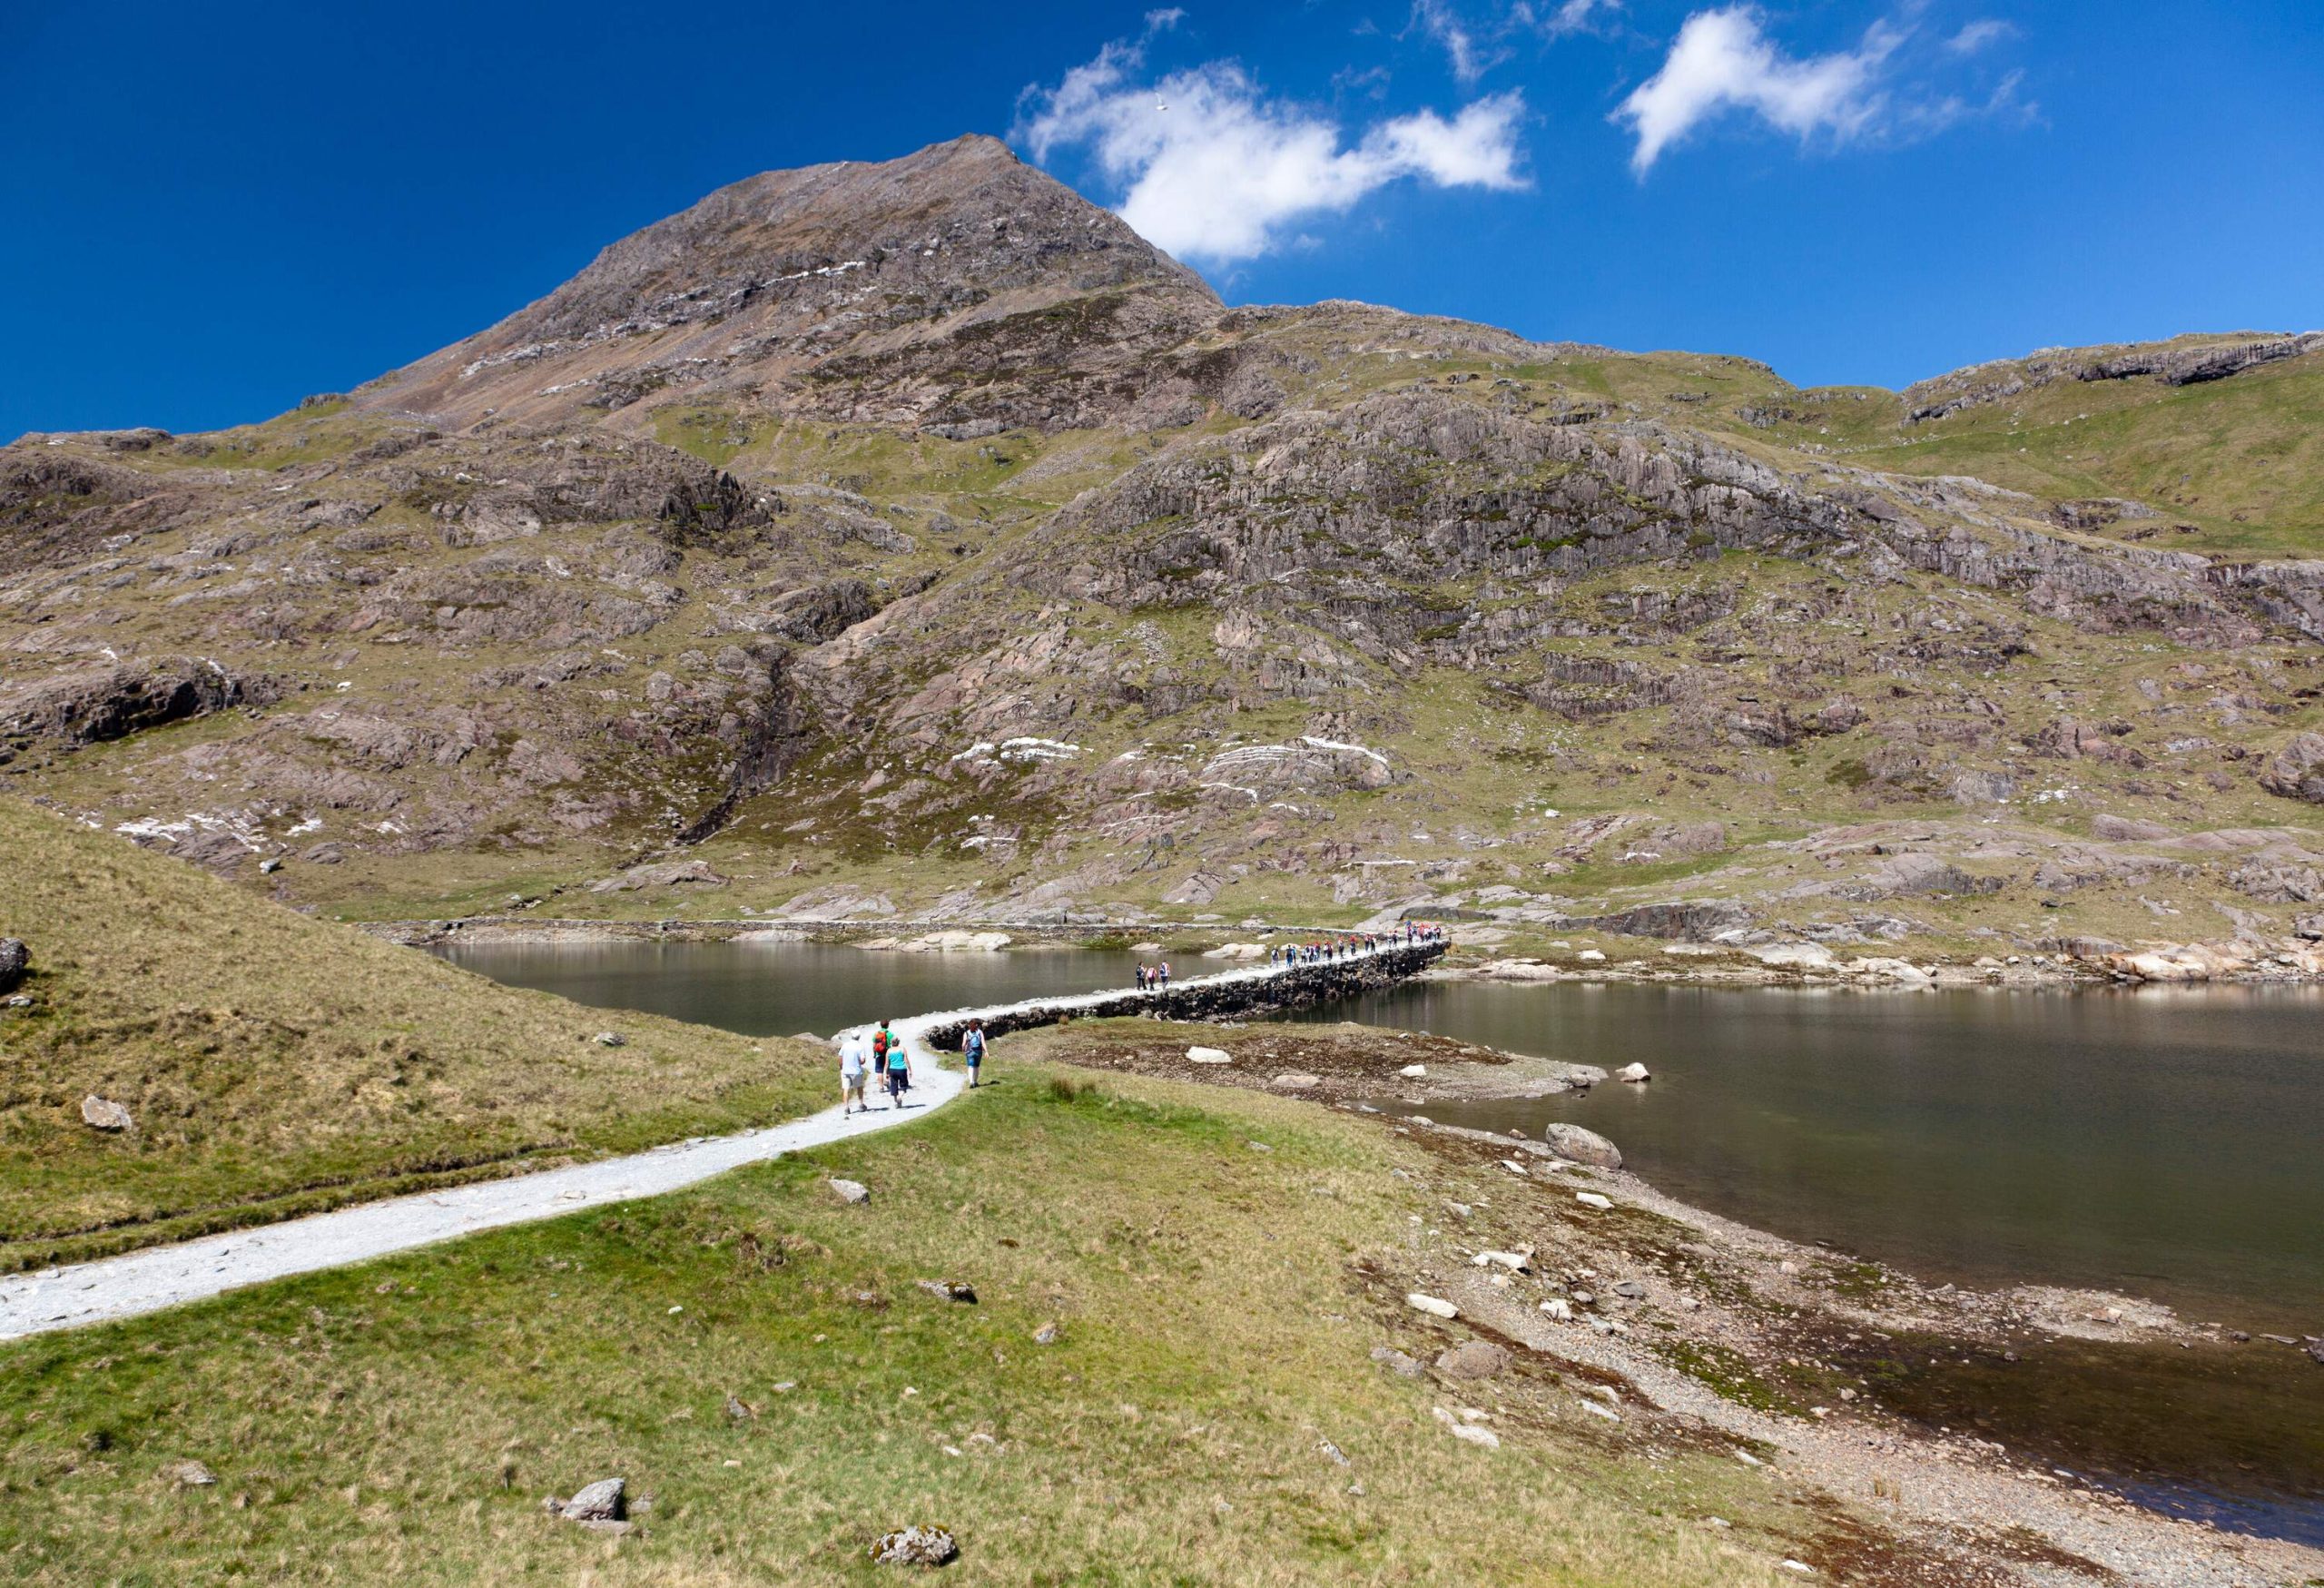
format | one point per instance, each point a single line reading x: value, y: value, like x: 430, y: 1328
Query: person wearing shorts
x: 972, y: 1048
x: 855, y: 1071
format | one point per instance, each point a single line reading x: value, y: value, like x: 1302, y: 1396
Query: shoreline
x: 1831, y: 1367
x: 1653, y: 962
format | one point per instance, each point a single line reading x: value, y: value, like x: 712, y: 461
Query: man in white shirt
x: 855, y: 1070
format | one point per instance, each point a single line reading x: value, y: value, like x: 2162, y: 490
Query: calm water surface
x: 2169, y: 1144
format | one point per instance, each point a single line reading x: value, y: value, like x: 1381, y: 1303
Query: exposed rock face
x: 2296, y: 771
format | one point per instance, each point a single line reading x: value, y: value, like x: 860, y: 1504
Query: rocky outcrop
x: 2296, y: 772
x: 88, y: 704
x: 16, y: 960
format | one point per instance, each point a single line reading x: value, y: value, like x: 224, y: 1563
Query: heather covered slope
x: 271, y: 1065
x: 913, y: 538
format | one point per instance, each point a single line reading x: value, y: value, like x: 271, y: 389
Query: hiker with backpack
x: 972, y: 1049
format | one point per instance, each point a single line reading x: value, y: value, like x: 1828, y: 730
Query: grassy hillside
x: 275, y: 1064
x: 1217, y: 1306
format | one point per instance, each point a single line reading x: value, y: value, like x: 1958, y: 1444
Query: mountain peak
x: 798, y: 263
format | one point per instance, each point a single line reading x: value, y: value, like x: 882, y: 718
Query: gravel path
x: 147, y: 1281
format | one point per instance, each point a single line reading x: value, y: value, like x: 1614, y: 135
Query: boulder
x: 1632, y: 1289
x: 667, y: 874
x: 602, y: 1501
x: 1414, y: 1072
x: 854, y: 1193
x: 187, y: 1474
x: 1047, y: 1334
x: 1592, y: 1200
x: 1436, y: 1307
x: 1209, y: 1056
x: 1581, y: 1146
x: 102, y: 1114
x: 1467, y: 1433
x: 916, y: 1545
x: 15, y: 959
x: 1635, y: 1074
x: 2296, y: 772
x: 1396, y: 1362
x: 1297, y: 1081
x: 1473, y: 1359
x: 610, y: 1040
x: 949, y: 1290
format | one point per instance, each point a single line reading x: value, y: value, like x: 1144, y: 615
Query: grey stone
x: 852, y: 1192
x: 1635, y: 1074
x: 1047, y: 1334
x: 1581, y: 1146
x: 15, y: 959
x: 950, y: 1290
x: 599, y: 1502
x: 611, y: 1039
x: 101, y: 1114
x: 739, y: 1410
x: 1396, y: 1362
x: 1631, y: 1288
x: 187, y: 1474
x: 1473, y: 1359
x: 916, y: 1545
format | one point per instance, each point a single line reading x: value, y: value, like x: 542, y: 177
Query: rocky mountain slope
x: 913, y: 539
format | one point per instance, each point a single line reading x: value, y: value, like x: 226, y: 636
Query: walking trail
x: 147, y: 1281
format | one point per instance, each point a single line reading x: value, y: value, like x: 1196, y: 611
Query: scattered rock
x: 1414, y: 1072
x: 1559, y: 1309
x: 1631, y: 1288
x: 1047, y: 1334
x: 1469, y: 1433
x: 2296, y: 772
x: 610, y: 1040
x: 1515, y: 1262
x: 187, y: 1474
x: 15, y: 959
x: 270, y: 865
x: 1396, y: 1362
x: 950, y: 1290
x: 1436, y: 1307
x: 1593, y: 956
x: 602, y: 1501
x: 1473, y: 1359
x: 739, y: 1410
x: 1592, y: 1200
x: 1333, y: 1453
x: 1635, y: 1074
x: 1209, y: 1056
x: 668, y: 873
x: 1297, y: 1081
x: 854, y: 1193
x: 916, y: 1546
x: 1581, y: 1146
x: 101, y: 1114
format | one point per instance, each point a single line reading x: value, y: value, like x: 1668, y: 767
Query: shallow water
x: 2165, y: 1143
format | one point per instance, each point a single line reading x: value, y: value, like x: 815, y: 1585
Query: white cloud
x: 1977, y: 35
x: 1721, y: 61
x: 1567, y: 16
x: 1434, y: 19
x: 1212, y: 169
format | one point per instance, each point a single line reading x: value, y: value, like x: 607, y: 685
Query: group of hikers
x: 867, y: 1063
x: 1328, y: 949
x: 872, y: 1059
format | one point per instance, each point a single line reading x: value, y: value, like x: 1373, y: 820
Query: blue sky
x: 205, y: 214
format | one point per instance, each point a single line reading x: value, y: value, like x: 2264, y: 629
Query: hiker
x: 972, y: 1049
x: 1141, y: 975
x: 853, y: 1073
x: 1166, y: 974
x: 899, y: 1069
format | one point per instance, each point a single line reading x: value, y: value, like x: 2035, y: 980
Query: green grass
x: 275, y: 1064
x: 400, y: 1422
